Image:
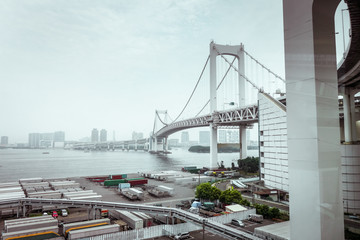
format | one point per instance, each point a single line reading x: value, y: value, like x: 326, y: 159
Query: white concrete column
x: 166, y: 145
x: 155, y: 148
x: 354, y: 134
x: 316, y: 206
x: 242, y: 103
x: 241, y: 68
x: 213, y: 107
x: 347, y: 118
x: 243, y: 143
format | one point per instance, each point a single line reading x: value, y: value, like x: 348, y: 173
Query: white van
x: 64, y: 213
x: 237, y: 222
x: 184, y: 235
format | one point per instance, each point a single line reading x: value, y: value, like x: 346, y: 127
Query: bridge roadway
x: 231, y: 117
x: 209, y: 224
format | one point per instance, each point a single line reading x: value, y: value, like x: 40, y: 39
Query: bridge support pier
x: 312, y: 120
x: 242, y: 141
x: 213, y: 146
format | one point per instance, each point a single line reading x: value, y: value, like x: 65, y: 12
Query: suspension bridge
x: 240, y: 79
x: 229, y: 81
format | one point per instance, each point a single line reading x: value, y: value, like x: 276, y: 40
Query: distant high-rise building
x: 94, y: 135
x: 204, y: 138
x: 222, y: 136
x: 103, y: 135
x: 173, y: 142
x: 233, y: 136
x: 4, y: 140
x: 34, y: 140
x: 185, y: 137
x: 137, y: 135
x: 59, y: 136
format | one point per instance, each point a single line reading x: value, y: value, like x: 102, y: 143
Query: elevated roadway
x: 207, y: 223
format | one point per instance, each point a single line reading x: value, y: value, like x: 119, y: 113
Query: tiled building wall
x: 273, y: 144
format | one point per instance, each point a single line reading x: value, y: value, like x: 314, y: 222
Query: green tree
x: 262, y: 209
x: 249, y: 164
x: 245, y: 202
x: 206, y: 191
x: 274, y: 213
x: 230, y: 196
x: 215, y: 193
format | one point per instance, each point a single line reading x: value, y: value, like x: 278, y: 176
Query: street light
x: 230, y: 104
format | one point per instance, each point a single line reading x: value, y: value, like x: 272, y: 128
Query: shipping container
x: 137, y: 182
x: 22, y: 220
x: 92, y: 197
x: 9, y: 184
x: 30, y: 180
x: 92, y: 231
x: 77, y: 225
x: 116, y: 182
x: 124, y: 185
x: 189, y: 168
x: 127, y: 193
x: 168, y: 190
x: 147, y: 220
x: 30, y: 232
x: 131, y: 219
x: 31, y: 225
x: 118, y: 176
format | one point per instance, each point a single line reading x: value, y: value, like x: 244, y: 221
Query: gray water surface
x: 29, y: 163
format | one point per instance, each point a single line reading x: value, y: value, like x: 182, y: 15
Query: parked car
x: 237, y: 222
x: 64, y: 213
x: 184, y: 235
x: 45, y: 213
x: 54, y: 214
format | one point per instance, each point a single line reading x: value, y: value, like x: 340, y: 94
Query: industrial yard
x: 169, y: 189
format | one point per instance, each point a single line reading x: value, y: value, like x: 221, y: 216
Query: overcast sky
x: 77, y: 65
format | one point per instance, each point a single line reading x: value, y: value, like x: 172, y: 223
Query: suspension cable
x: 157, y: 113
x: 227, y: 71
x: 207, y: 60
x: 242, y: 75
x: 277, y: 76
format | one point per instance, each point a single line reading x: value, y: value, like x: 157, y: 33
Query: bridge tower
x: 238, y: 52
x: 159, y: 145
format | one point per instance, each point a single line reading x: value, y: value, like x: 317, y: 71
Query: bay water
x: 60, y: 163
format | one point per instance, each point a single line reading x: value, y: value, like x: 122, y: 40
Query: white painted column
x: 347, y: 118
x: 243, y: 142
x: 155, y: 148
x: 316, y: 206
x: 354, y: 134
x: 242, y: 103
x: 241, y: 68
x: 213, y: 107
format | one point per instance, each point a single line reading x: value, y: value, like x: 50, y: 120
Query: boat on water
x: 46, y: 153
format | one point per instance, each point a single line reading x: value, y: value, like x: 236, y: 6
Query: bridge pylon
x: 238, y: 52
x: 159, y: 144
